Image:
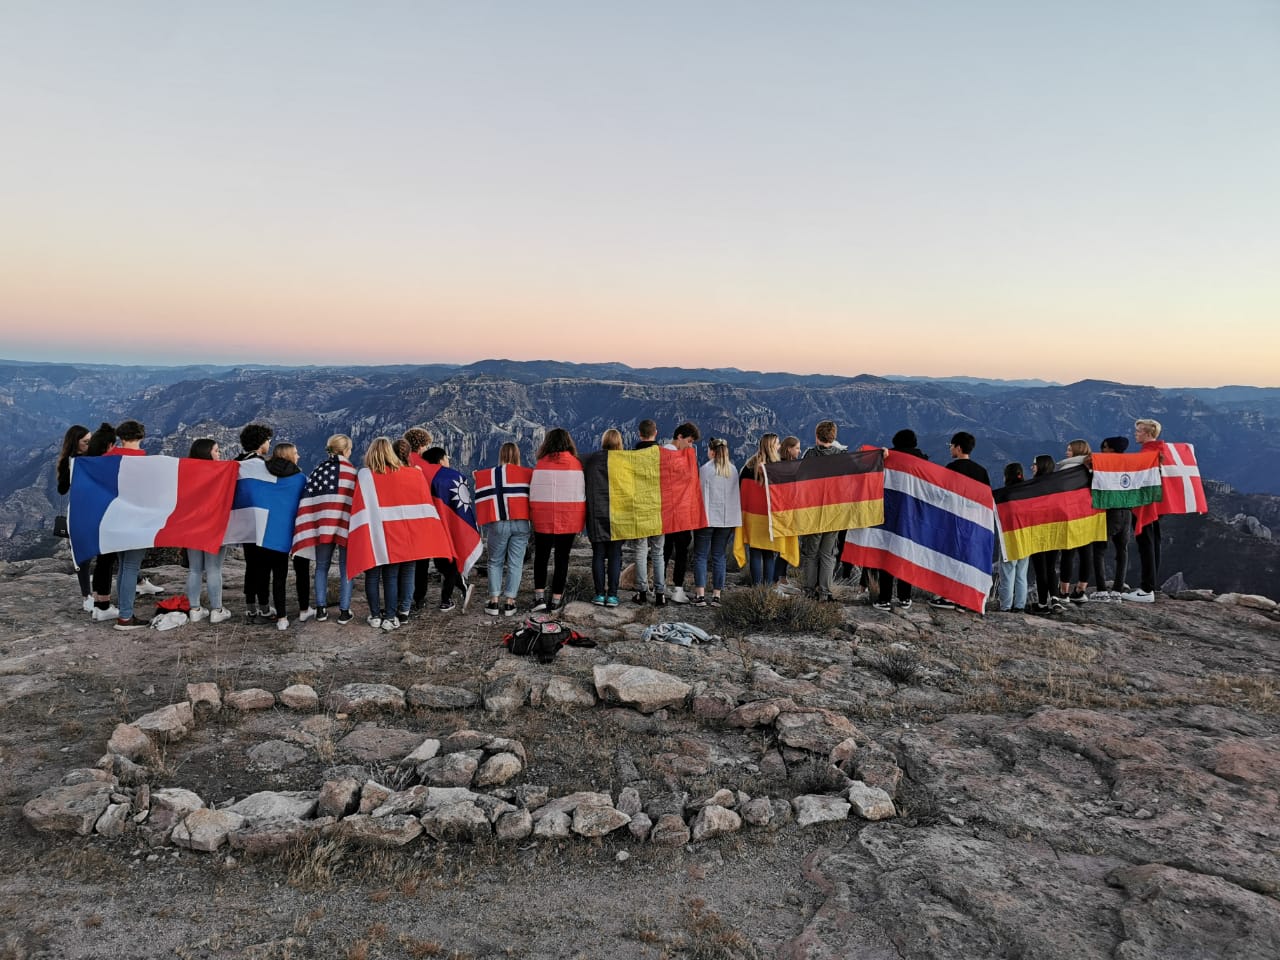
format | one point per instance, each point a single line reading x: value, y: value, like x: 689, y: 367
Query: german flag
x: 642, y: 493
x: 1052, y: 512
x: 841, y: 491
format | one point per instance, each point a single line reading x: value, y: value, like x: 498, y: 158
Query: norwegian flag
x: 502, y: 493
x: 1180, y: 482
x: 393, y: 520
x: 457, y: 511
x: 325, y: 511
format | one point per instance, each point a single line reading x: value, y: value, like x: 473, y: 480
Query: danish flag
x: 1180, y: 482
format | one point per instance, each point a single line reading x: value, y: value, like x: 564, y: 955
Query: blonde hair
x: 1151, y: 426
x: 1078, y: 448
x: 339, y: 445
x: 283, y: 449
x: 381, y: 456
x: 719, y: 450
x: 509, y: 453
x: 611, y: 439
x: 766, y: 452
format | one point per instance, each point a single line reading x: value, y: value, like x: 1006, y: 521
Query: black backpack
x: 542, y: 637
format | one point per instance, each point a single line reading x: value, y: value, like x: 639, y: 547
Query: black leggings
x: 103, y: 567
x: 302, y: 577
x: 1045, y: 565
x: 543, y: 545
x: 255, y: 569
x: 676, y: 548
x: 275, y: 578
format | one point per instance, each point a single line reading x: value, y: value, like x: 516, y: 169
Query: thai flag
x: 131, y: 503
x: 393, y: 520
x: 265, y: 507
x: 938, y: 532
x: 502, y: 493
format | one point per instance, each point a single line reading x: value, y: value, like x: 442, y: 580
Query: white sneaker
x: 306, y: 614
x: 146, y: 586
x: 111, y: 613
x: 282, y: 623
x: 375, y: 622
x: 87, y: 604
x: 219, y: 615
x: 1140, y: 596
x: 679, y: 596
x: 196, y: 614
x: 391, y: 623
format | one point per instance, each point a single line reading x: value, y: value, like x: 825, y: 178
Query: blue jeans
x: 210, y: 565
x: 127, y: 580
x: 506, y: 541
x: 1012, y: 590
x: 387, y: 581
x: 761, y: 564
x: 324, y: 558
x: 606, y: 552
x: 713, y: 542
x: 645, y: 547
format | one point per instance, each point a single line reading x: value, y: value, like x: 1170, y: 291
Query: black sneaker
x: 555, y: 606
x: 942, y: 604
x: 714, y: 601
x: 132, y: 623
x: 403, y: 616
x: 886, y: 606
x: 491, y: 608
x: 642, y: 596
x: 539, y: 603
x: 447, y: 606
x: 321, y: 614
x: 509, y: 608
x: 659, y: 599
x: 344, y: 616
x: 698, y: 601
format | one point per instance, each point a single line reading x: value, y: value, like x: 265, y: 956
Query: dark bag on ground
x: 542, y: 637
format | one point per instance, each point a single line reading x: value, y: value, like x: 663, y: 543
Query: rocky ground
x: 1099, y: 784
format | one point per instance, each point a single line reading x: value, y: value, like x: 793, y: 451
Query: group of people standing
x: 549, y: 504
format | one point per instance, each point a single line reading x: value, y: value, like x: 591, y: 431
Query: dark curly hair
x: 254, y: 436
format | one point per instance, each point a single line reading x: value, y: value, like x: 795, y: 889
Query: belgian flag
x: 1051, y: 512
x: 840, y: 491
x: 642, y: 493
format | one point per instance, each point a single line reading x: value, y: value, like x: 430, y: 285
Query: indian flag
x: 1126, y: 479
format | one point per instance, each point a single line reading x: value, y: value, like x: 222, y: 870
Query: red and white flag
x: 393, y: 520
x: 558, y: 494
x: 1180, y: 482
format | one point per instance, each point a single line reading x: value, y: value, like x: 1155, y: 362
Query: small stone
x: 870, y: 803
x: 622, y: 856
x: 954, y: 820
x: 88, y: 775
x: 366, y: 697
x: 721, y: 798
x: 507, y: 745
x: 300, y: 696
x: 254, y: 698
x: 370, y: 743
x: 506, y: 693
x: 669, y: 831
x: 571, y: 802
x: 206, y: 830
x: 713, y: 820
x: 640, y: 826
x: 712, y: 705
x: 554, y: 826
x: 74, y: 809
x: 271, y: 805
x: 629, y: 801
x: 644, y: 689
x: 843, y: 751
x: 427, y: 696
x: 498, y: 769
x: 531, y: 795
x: 564, y: 692
x: 126, y: 771
x: 264, y: 836
x: 464, y: 740
x: 758, y: 812
x: 204, y: 698
x: 412, y: 800
x: 338, y: 798
x: 757, y: 713
x: 456, y: 821
x: 168, y: 724
x: 372, y: 796
x: 1143, y: 814
x: 452, y: 769
x: 514, y: 826
x: 424, y: 751
x: 113, y: 820
x: 819, y: 808
x: 595, y: 820
x: 275, y: 755
x: 393, y: 831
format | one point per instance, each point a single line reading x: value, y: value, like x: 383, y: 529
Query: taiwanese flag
x: 1179, y: 482
x: 840, y: 491
x: 938, y: 531
x: 642, y: 493
x: 502, y: 493
x: 393, y: 520
x: 454, y: 501
x: 1050, y: 512
x: 132, y: 503
x: 1124, y: 480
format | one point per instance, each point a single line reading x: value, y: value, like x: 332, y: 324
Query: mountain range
x: 472, y: 409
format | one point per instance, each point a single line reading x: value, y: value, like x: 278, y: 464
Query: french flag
x: 938, y: 532
x: 265, y: 506
x: 132, y: 503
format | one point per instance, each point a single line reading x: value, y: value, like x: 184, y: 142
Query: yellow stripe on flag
x: 635, y: 493
x: 754, y: 532
x: 1060, y: 535
x: 836, y: 516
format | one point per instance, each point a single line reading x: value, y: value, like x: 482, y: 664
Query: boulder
x: 271, y: 805
x: 758, y: 713
x: 514, y: 826
x: 464, y: 740
x: 819, y: 808
x: 365, y: 697
x: 428, y: 696
x: 424, y: 751
x: 131, y: 743
x: 669, y: 831
x: 205, y: 698
x: 870, y: 803
x: 506, y: 693
x: 338, y: 798
x: 714, y: 820
x: 168, y: 724
x: 452, y: 769
x: 640, y: 826
x: 370, y: 743
x: 498, y: 769
x: 456, y: 821
x: 206, y: 830
x: 818, y: 731
x: 393, y: 831
x: 113, y: 821
x: 300, y: 696
x: 644, y: 689
x: 264, y: 836
x: 597, y: 819
x: 565, y: 692
x: 553, y: 826
x: 372, y: 796
x: 254, y: 698
x: 275, y: 755
x: 74, y: 809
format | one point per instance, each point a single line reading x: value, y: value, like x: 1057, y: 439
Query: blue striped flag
x: 938, y: 532
x: 265, y: 507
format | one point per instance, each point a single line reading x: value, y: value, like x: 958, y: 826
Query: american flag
x: 325, y: 511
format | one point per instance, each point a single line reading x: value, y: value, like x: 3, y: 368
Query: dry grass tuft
x: 760, y: 609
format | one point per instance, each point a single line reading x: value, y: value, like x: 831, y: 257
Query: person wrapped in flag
x: 456, y: 506
x: 502, y: 511
x: 324, y: 516
x: 558, y: 509
x: 1120, y: 481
